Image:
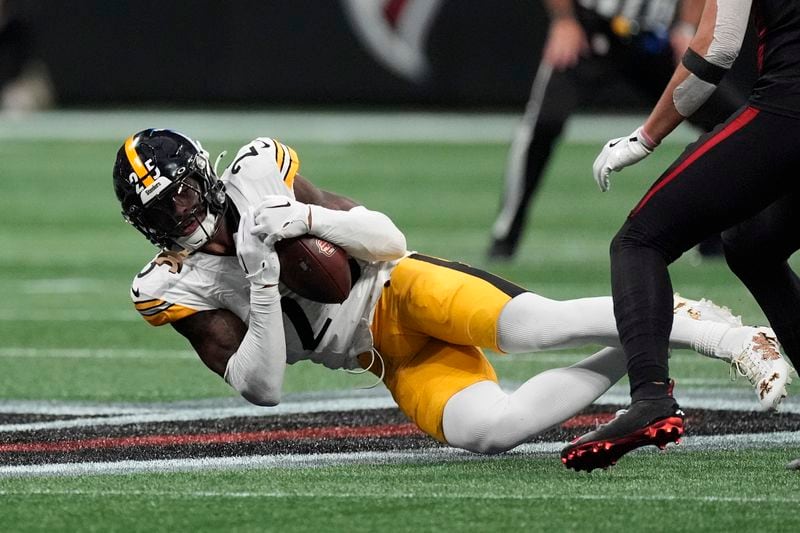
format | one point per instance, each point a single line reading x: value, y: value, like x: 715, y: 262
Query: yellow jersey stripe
x: 280, y: 154
x: 148, y: 304
x: 171, y: 314
x: 294, y: 165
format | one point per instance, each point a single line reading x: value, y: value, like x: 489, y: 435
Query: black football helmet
x: 168, y: 189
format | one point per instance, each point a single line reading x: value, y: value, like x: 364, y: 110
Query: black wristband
x: 700, y: 67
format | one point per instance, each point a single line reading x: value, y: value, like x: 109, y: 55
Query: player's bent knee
x: 635, y: 236
x: 474, y: 438
x: 623, y: 239
x: 472, y: 419
x: 261, y: 397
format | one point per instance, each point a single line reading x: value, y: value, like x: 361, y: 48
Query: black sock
x: 650, y: 391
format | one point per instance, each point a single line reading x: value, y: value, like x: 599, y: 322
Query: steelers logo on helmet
x: 168, y: 190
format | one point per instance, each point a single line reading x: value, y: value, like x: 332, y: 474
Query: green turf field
x: 720, y: 491
x: 69, y: 333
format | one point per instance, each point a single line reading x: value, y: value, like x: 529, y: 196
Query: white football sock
x: 484, y: 419
x: 734, y: 342
x: 530, y: 323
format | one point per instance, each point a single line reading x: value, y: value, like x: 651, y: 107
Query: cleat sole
x: 603, y: 454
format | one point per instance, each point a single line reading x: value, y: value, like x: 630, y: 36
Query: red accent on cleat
x: 602, y: 454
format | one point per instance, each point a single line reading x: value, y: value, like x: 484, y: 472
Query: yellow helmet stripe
x: 136, y: 162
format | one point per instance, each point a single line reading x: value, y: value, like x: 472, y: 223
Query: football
x: 314, y: 269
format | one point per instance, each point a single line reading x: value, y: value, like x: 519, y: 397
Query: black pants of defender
x: 745, y: 176
x: 556, y: 95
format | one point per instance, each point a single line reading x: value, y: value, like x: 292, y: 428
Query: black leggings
x: 744, y: 176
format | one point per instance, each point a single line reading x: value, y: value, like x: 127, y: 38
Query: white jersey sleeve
x: 264, y: 166
x: 172, y: 287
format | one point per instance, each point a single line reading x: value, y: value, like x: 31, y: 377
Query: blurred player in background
x: 418, y: 322
x: 592, y: 44
x: 24, y: 79
x: 742, y: 176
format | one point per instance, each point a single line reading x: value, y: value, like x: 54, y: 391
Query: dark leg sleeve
x: 642, y: 293
x: 727, y: 176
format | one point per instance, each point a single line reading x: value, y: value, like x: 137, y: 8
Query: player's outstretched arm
x: 709, y: 56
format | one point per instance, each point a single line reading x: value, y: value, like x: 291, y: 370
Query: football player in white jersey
x: 418, y: 322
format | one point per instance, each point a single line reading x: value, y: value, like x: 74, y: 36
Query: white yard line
x: 724, y: 442
x: 89, y: 415
x: 150, y: 414
x: 104, y: 414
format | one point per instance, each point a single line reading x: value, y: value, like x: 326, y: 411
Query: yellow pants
x: 430, y: 323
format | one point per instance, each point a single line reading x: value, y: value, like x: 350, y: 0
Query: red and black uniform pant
x: 742, y: 178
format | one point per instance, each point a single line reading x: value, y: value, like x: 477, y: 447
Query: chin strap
x: 217, y: 160
x: 375, y: 356
x: 200, y: 235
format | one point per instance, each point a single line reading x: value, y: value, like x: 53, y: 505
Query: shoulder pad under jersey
x: 265, y: 165
x: 161, y: 294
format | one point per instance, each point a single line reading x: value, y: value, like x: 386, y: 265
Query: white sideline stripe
x: 99, y: 353
x: 327, y: 127
x: 182, y: 415
x: 738, y: 399
x: 755, y: 440
x: 92, y: 416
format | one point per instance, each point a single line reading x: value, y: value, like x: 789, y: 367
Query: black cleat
x: 657, y: 422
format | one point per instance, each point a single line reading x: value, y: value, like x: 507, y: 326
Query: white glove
x: 620, y: 153
x: 280, y: 217
x: 257, y: 258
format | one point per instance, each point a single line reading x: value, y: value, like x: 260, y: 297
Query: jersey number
x: 235, y: 168
x: 301, y: 324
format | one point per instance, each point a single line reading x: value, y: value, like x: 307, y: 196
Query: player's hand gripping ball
x: 314, y: 269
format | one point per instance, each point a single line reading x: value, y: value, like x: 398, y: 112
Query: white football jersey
x: 170, y: 287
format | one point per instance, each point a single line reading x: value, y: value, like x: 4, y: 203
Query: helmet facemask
x: 186, y: 212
